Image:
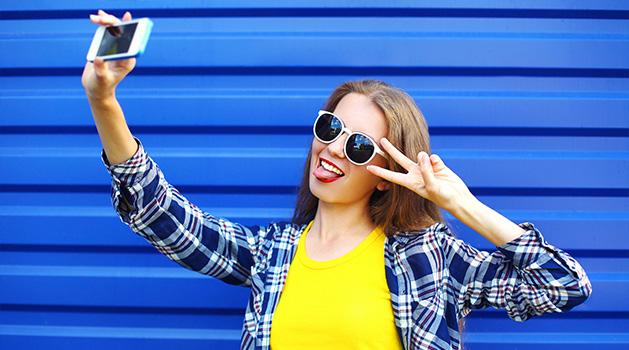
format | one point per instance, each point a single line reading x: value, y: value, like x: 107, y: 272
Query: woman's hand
x: 429, y: 178
x: 101, y: 78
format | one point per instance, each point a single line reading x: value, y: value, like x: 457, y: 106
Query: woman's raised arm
x: 177, y: 228
x: 99, y: 81
x: 148, y: 204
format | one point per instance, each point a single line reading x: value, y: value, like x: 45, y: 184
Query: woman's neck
x: 339, y: 221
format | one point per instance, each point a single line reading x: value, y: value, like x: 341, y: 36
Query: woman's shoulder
x: 432, y: 232
x: 283, y: 230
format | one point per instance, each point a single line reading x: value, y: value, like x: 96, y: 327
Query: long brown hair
x: 397, y: 209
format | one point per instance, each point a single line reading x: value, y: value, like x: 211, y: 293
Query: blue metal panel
x: 527, y: 101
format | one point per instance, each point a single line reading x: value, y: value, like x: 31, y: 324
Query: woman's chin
x: 327, y: 192
x: 321, y: 190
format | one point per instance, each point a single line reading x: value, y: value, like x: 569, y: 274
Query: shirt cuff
x: 130, y: 171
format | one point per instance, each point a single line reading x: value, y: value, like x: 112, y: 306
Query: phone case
x: 143, y: 42
x: 145, y: 39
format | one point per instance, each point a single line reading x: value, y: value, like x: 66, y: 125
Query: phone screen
x: 116, y: 39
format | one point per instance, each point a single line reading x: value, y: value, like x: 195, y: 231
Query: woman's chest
x: 349, y: 301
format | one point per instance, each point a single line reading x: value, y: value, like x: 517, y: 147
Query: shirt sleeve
x: 526, y: 276
x: 177, y: 228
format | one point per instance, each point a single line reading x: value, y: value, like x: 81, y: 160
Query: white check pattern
x: 434, y: 278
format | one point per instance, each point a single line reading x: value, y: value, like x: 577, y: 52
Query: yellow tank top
x: 343, y: 303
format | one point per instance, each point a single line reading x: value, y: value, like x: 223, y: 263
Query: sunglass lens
x: 359, y: 148
x: 328, y: 127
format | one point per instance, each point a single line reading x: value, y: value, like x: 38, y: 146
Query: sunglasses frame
x: 345, y: 129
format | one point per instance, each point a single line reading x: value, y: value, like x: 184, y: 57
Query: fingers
x: 109, y: 19
x: 99, y: 67
x: 392, y: 176
x: 425, y: 167
x: 397, y: 155
x: 127, y: 64
x: 436, y: 162
x: 104, y: 19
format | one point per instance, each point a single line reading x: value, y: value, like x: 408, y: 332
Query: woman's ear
x: 383, y: 186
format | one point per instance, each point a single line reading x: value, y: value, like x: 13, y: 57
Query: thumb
x: 100, y: 67
x: 436, y: 162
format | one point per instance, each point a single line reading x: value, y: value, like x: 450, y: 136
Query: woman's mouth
x: 327, y: 171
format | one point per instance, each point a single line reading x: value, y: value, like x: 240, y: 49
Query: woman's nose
x: 336, y: 147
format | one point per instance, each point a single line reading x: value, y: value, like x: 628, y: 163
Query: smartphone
x: 122, y: 40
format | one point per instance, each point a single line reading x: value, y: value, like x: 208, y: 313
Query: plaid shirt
x: 434, y: 278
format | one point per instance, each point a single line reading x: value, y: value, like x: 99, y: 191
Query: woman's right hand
x: 101, y: 78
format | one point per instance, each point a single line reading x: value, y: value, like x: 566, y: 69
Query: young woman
x: 367, y: 261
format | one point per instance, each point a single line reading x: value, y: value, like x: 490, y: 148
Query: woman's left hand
x: 429, y: 178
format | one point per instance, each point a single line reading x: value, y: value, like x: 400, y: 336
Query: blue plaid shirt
x: 434, y: 278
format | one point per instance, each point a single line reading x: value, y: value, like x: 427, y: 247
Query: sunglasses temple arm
x: 380, y: 151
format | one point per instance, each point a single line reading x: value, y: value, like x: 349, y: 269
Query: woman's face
x: 359, y: 114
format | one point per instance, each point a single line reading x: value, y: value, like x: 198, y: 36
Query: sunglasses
x: 359, y: 147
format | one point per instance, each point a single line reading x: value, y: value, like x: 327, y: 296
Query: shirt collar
x: 400, y: 238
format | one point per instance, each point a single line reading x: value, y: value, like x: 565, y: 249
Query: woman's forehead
x: 360, y: 114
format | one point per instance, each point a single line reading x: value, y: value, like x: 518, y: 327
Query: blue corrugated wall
x: 528, y: 101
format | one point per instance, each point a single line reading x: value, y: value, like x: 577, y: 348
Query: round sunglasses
x: 359, y: 147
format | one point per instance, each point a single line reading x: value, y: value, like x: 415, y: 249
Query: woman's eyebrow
x: 344, y: 122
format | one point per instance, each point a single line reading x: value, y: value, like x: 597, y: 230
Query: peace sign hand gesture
x: 429, y: 178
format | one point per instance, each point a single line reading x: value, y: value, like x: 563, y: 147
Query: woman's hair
x: 397, y: 209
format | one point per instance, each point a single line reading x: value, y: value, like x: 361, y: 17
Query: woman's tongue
x: 321, y: 173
